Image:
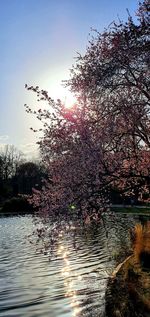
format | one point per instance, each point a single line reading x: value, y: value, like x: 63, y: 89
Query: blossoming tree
x: 103, y: 140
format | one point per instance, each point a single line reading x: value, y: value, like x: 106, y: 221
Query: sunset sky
x: 39, y: 40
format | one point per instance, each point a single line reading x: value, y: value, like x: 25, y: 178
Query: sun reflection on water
x: 69, y: 281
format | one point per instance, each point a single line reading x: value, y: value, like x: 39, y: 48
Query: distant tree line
x: 17, y: 175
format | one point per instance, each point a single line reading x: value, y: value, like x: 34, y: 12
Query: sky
x: 39, y: 40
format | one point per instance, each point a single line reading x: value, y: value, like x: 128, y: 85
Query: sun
x: 57, y: 91
x: 69, y: 101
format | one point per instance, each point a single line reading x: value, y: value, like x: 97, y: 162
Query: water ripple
x: 70, y: 284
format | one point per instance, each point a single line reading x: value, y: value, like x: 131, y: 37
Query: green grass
x: 132, y: 210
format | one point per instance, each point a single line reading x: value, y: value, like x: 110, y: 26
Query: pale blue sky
x: 38, y: 42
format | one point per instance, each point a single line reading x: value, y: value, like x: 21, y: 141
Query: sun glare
x: 69, y: 101
x: 57, y: 91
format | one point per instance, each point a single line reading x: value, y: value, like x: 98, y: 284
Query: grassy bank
x: 141, y: 210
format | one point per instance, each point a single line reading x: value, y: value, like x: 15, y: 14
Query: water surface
x: 72, y: 282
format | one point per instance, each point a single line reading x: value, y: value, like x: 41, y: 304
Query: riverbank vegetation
x: 16, y: 206
x: 128, y: 291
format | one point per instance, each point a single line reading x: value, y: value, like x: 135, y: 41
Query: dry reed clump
x: 141, y: 243
x: 128, y: 290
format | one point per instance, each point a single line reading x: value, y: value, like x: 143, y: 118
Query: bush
x: 16, y: 205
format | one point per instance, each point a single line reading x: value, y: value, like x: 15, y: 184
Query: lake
x: 70, y: 283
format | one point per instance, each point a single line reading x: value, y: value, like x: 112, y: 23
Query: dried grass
x: 142, y: 240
